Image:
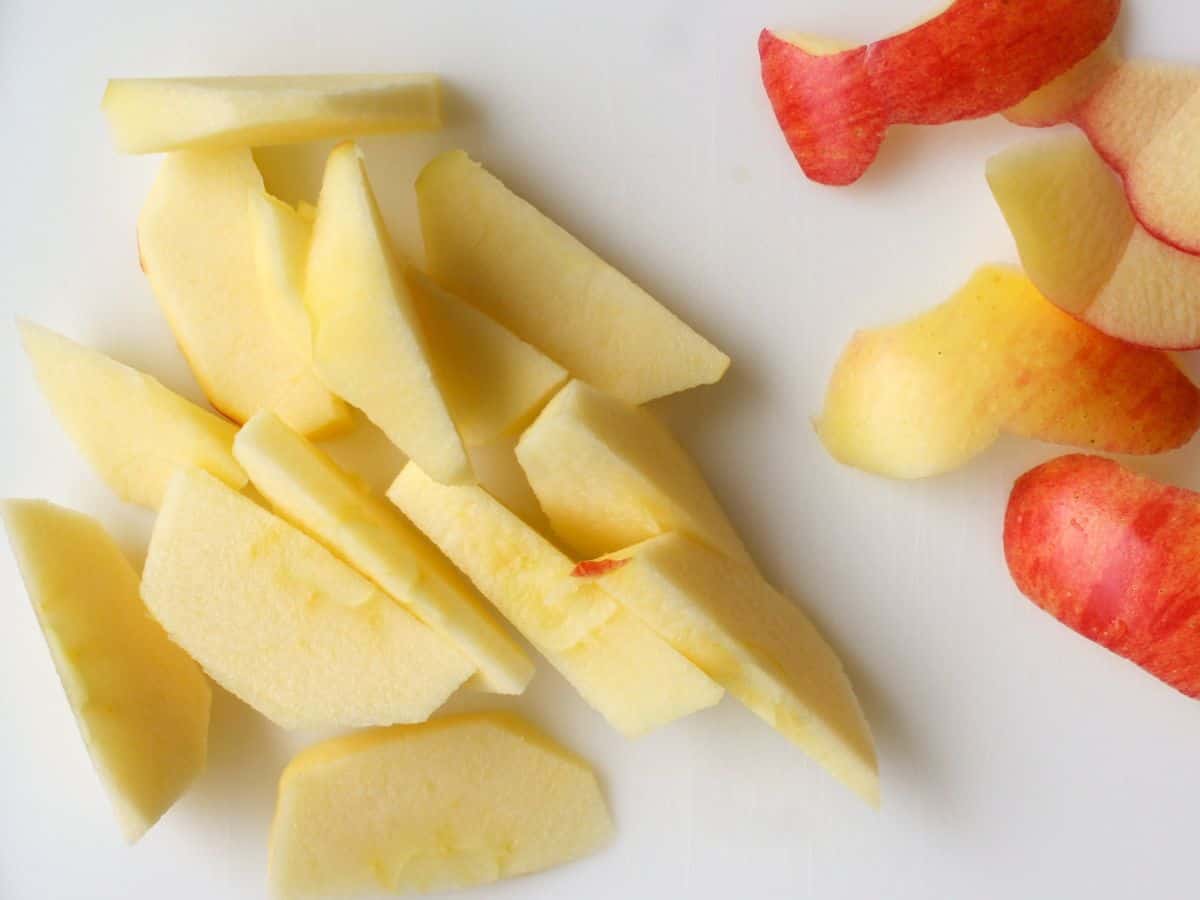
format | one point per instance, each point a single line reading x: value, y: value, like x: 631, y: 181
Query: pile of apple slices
x: 319, y: 603
x: 1107, y: 225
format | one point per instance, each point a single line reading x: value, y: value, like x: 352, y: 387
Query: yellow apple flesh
x: 134, y: 431
x: 198, y: 251
x: 308, y: 489
x: 277, y: 620
x: 368, y: 345
x: 141, y: 703
x: 455, y: 803
x: 502, y: 255
x: 152, y: 115
x: 281, y: 239
x: 618, y: 665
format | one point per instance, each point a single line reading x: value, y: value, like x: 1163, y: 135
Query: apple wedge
x: 281, y: 240
x: 492, y: 380
x: 368, y: 345
x: 502, y: 255
x: 1083, y: 248
x: 754, y: 642
x: 153, y: 115
x: 132, y: 430
x: 277, y: 620
x: 496, y: 799
x: 141, y: 703
x: 609, y: 475
x: 923, y: 398
x: 978, y: 57
x: 618, y: 665
x: 197, y: 250
x: 308, y: 489
x: 1112, y: 555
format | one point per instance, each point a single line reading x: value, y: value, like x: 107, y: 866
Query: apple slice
x: 152, y: 115
x: 922, y: 398
x: 618, y: 665
x: 492, y: 380
x: 142, y: 705
x: 308, y: 489
x: 281, y: 240
x: 500, y: 254
x: 754, y: 642
x: 609, y: 475
x: 976, y: 58
x: 367, y: 340
x: 1060, y: 100
x: 1112, y: 555
x: 197, y: 249
x: 277, y: 620
x: 496, y: 799
x: 134, y: 431
x: 1084, y: 250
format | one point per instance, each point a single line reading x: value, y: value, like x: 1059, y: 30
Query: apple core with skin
x: 1115, y: 556
x: 977, y: 58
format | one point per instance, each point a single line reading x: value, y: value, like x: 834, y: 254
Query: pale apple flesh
x: 153, y: 115
x: 368, y: 343
x: 620, y: 667
x: 754, y: 642
x: 277, y: 620
x: 308, y: 489
x: 281, y: 241
x: 1060, y: 100
x: 925, y: 397
x: 1112, y: 555
x: 1082, y: 246
x: 503, y: 256
x: 496, y: 799
x: 141, y: 703
x: 198, y: 251
x: 134, y: 431
x: 609, y: 475
x: 974, y: 59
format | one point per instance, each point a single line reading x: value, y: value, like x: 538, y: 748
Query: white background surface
x: 1018, y: 761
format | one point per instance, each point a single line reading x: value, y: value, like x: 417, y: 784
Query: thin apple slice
x: 1060, y: 100
x: 152, y: 115
x: 618, y: 665
x: 496, y: 799
x: 922, y: 398
x: 142, y: 705
x: 502, y: 255
x: 492, y: 380
x: 134, y: 431
x: 308, y: 489
x: 1112, y: 555
x: 609, y: 475
x: 976, y: 58
x: 368, y: 345
x: 277, y: 620
x: 754, y: 642
x: 281, y: 240
x: 1084, y: 250
x: 197, y: 249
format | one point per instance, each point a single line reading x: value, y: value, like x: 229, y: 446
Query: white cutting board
x: 1018, y: 761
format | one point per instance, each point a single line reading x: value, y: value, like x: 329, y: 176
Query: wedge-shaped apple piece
x: 754, y: 642
x: 492, y: 380
x: 497, y: 799
x: 925, y: 397
x: 976, y: 58
x: 142, y: 705
x: 281, y: 239
x: 1085, y: 251
x: 150, y: 115
x: 619, y: 666
x: 502, y: 255
x: 277, y: 620
x: 306, y: 487
x: 367, y: 340
x: 134, y: 431
x: 609, y: 475
x: 197, y: 249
